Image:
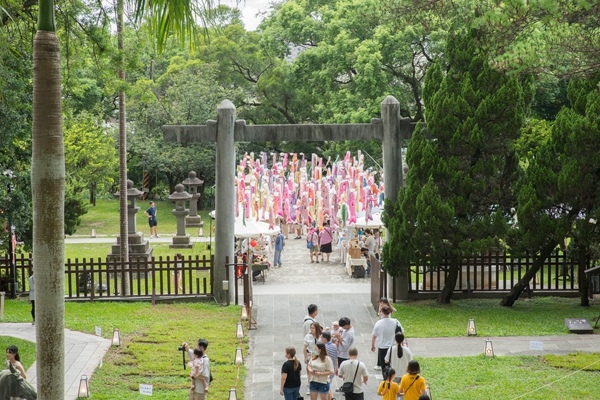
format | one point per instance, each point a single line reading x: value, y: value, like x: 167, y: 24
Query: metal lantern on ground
x: 239, y: 333
x: 239, y: 357
x: 116, y: 339
x: 244, y: 313
x: 488, y: 350
x: 471, y: 329
x: 232, y: 394
x: 84, y: 388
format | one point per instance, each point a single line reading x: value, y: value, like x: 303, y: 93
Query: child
x: 198, y: 369
x: 412, y: 384
x: 335, y: 331
x: 388, y: 388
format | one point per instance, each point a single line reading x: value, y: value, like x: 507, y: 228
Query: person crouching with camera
x: 201, y: 375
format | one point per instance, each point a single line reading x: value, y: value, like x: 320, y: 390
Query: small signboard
x: 145, y: 389
x: 594, y: 279
x: 98, y: 331
x: 578, y: 325
x: 536, y: 345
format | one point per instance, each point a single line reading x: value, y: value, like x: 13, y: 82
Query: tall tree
x: 559, y: 194
x: 48, y: 187
x: 459, y: 188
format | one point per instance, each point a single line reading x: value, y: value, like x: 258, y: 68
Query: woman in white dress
x: 398, y: 357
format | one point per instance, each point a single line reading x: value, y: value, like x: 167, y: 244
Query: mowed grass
x: 508, y: 378
x: 104, y: 218
x: 150, y: 337
x: 101, y: 250
x: 539, y: 316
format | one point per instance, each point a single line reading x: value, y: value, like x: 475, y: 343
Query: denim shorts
x: 319, y: 387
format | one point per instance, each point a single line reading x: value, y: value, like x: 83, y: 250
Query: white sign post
x: 98, y: 331
x: 536, y: 345
x: 146, y: 389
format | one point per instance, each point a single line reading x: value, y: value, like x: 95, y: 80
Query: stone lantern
x: 181, y: 240
x: 193, y: 184
x: 138, y: 246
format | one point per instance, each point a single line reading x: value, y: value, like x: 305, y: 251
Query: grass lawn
x: 150, y: 337
x: 104, y: 218
x: 101, y: 250
x: 539, y: 316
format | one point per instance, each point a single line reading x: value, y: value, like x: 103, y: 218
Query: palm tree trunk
x: 48, y: 188
x: 122, y: 157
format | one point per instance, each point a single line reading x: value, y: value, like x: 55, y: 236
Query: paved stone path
x: 280, y: 306
x: 83, y: 354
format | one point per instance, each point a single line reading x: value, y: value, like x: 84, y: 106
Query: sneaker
x: 377, y: 368
x: 156, y: 236
x: 308, y: 391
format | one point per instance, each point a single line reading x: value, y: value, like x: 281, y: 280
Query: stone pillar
x: 225, y: 200
x: 181, y: 240
x: 395, y: 131
x: 138, y: 247
x: 193, y: 183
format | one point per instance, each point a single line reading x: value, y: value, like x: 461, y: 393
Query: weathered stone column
x: 193, y: 183
x: 395, y: 131
x: 225, y: 200
x: 181, y: 240
x: 138, y: 246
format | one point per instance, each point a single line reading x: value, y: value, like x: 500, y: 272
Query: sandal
x: 317, y: 261
x: 312, y: 261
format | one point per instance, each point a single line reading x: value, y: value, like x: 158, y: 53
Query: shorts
x: 319, y: 387
x: 152, y: 222
x: 314, y: 249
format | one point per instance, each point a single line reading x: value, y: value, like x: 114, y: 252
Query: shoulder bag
x: 348, y: 387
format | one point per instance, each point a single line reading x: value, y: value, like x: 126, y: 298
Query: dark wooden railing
x: 141, y: 278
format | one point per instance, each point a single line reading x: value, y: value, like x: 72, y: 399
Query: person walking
x: 152, y: 221
x: 279, y: 243
x: 312, y: 313
x: 312, y: 243
x: 177, y: 272
x: 325, y: 240
x: 354, y: 371
x: 345, y: 339
x: 320, y: 367
x: 332, y: 353
x: 388, y: 388
x: 383, y: 333
x: 32, y: 294
x: 412, y: 385
x: 290, y: 376
x: 398, y: 356
x: 310, y: 341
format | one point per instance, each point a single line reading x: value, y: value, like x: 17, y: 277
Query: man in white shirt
x: 383, y: 333
x: 345, y: 339
x: 313, y: 310
x: 354, y: 371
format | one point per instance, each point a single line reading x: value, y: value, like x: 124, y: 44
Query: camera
x: 181, y: 348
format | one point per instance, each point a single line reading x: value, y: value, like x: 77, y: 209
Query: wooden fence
x: 495, y: 272
x: 139, y: 278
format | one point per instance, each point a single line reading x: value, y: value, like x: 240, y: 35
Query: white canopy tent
x: 362, y: 222
x: 252, y: 228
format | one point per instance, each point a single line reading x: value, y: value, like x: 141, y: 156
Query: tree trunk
x: 584, y: 284
x: 123, y: 232
x: 446, y: 294
x: 48, y: 193
x: 516, y: 291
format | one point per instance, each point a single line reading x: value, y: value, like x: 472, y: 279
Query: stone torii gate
x: 391, y: 129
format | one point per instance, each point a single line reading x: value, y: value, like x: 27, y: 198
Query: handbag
x: 348, y: 387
